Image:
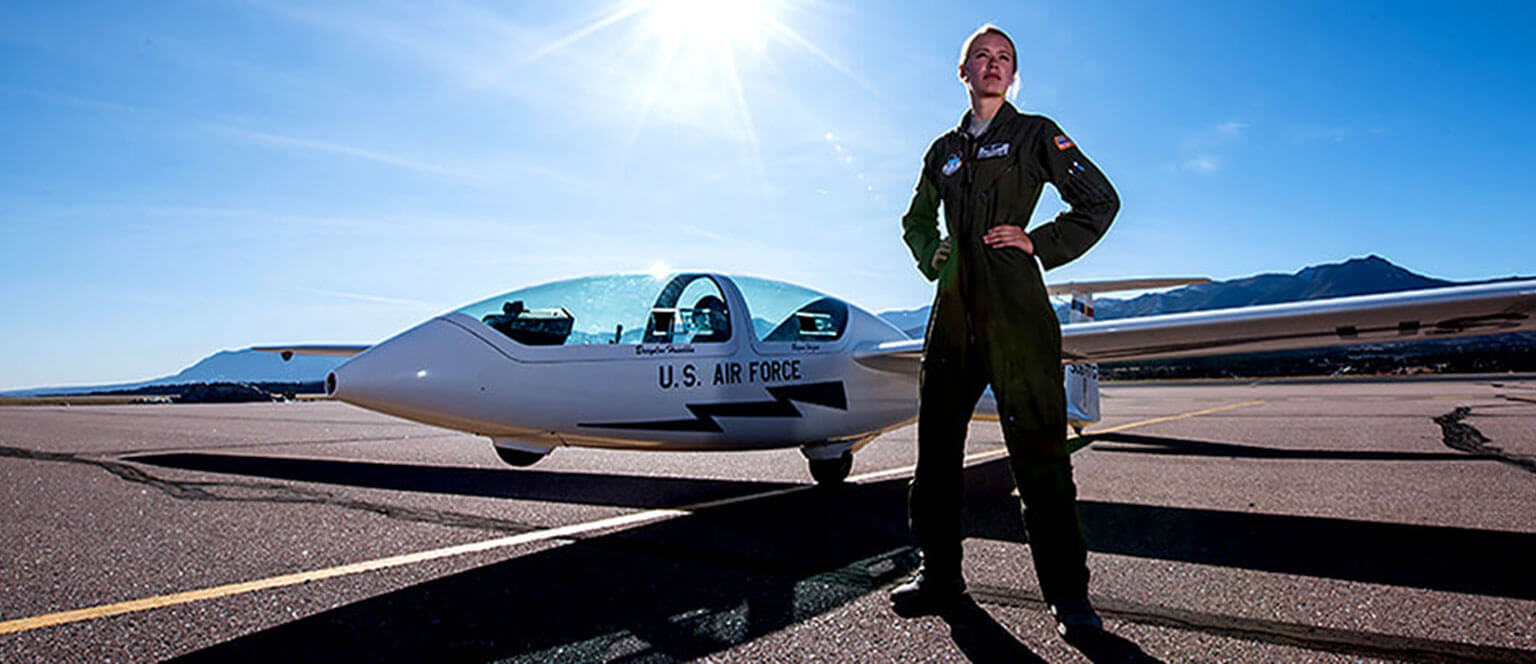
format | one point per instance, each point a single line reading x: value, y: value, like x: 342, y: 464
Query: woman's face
x: 988, y: 68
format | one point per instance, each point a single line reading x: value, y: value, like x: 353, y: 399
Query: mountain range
x: 1356, y: 276
x: 225, y: 366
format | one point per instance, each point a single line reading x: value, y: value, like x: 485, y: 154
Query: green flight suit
x: 992, y: 323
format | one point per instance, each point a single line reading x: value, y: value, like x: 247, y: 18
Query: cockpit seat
x: 532, y: 327
x: 712, y: 309
x: 821, y: 320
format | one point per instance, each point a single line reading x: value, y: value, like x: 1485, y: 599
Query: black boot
x: 926, y: 594
x: 1076, y: 619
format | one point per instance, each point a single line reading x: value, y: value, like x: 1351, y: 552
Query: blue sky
x: 181, y: 177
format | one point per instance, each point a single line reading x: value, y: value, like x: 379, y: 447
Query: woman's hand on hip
x: 1009, y: 236
x: 940, y: 254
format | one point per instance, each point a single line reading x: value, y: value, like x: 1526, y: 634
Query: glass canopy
x: 640, y: 308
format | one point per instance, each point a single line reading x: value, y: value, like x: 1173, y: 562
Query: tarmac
x: 1278, y: 521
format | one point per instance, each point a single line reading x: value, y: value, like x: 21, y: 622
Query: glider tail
x: 1082, y: 382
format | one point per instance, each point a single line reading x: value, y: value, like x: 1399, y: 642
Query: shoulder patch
x: 1062, y: 142
x: 952, y: 165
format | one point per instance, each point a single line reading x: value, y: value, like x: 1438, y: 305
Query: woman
x: 992, y: 323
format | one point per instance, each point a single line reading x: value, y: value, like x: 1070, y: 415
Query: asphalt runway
x: 1318, y: 521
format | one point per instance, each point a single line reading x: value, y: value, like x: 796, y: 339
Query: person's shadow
x: 1104, y: 646
x: 983, y: 640
x: 979, y: 636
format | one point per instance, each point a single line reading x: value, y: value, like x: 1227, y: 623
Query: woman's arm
x: 920, y: 228
x: 1092, y: 200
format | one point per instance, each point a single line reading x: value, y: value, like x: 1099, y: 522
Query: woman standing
x: 992, y: 324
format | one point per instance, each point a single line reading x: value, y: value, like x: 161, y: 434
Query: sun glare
x: 721, y: 21
x: 692, y: 63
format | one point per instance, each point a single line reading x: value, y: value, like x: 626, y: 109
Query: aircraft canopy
x: 642, y: 308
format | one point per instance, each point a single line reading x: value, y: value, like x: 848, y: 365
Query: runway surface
x: 1320, y: 521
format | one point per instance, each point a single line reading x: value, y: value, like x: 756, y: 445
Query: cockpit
x: 690, y: 308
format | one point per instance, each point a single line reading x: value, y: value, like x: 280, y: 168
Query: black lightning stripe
x: 829, y: 394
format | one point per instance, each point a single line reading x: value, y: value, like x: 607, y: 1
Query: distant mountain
x: 227, y: 366
x: 1356, y: 276
x: 912, y: 321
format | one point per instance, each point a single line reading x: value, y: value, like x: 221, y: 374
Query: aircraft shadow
x: 1483, y: 562
x: 521, y: 484
x: 670, y: 591
x: 692, y: 586
x: 1139, y: 444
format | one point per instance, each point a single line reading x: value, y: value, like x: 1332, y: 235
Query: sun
x: 697, y: 64
x: 692, y: 60
x: 711, y: 21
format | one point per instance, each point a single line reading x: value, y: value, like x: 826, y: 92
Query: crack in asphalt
x: 1459, y: 435
x: 882, y: 570
x: 1310, y: 637
x: 871, y: 574
x: 270, y: 492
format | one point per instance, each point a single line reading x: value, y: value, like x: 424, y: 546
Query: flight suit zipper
x: 969, y: 221
x: 977, y: 225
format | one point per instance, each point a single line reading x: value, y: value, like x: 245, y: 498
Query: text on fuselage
x: 669, y: 376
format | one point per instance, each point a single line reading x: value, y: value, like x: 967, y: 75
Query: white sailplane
x: 703, y: 361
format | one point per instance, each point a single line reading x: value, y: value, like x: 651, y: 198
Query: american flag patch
x: 1062, y: 142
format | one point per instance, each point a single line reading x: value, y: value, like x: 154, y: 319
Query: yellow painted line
x: 1002, y: 452
x: 173, y: 599
x: 1170, y: 418
x: 561, y: 532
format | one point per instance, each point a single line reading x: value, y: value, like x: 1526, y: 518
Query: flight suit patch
x: 992, y: 151
x: 952, y: 165
x: 1062, y: 142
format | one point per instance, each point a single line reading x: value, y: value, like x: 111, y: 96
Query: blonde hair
x: 991, y: 29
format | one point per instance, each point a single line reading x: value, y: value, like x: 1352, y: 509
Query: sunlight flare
x: 724, y: 21
x: 691, y: 63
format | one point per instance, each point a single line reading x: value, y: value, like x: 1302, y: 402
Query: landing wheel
x: 518, y: 458
x: 831, y: 472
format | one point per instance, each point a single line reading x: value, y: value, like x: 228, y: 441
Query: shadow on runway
x: 1107, y: 647
x: 521, y: 484
x: 700, y: 584
x: 984, y: 641
x: 1139, y: 444
x: 675, y: 590
x: 1483, y: 562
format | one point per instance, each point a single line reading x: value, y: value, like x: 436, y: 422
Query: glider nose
x: 383, y: 377
x: 428, y: 373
